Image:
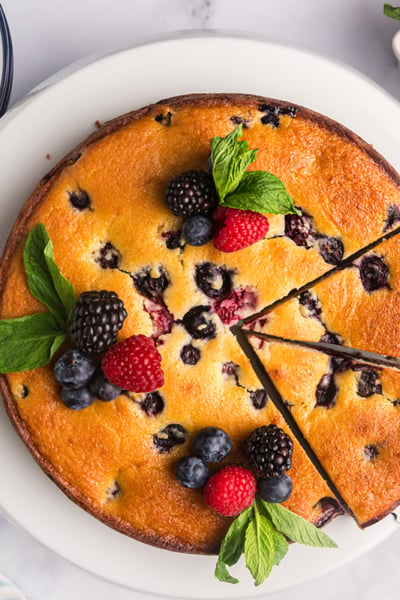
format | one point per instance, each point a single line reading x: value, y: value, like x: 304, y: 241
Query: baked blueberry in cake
x: 164, y: 253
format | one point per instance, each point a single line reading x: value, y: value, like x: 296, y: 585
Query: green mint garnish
x: 262, y: 532
x: 46, y: 283
x: 30, y: 342
x: 236, y: 187
x: 392, y: 11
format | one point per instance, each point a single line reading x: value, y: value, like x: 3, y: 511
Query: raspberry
x: 96, y: 319
x: 237, y: 229
x: 230, y: 490
x: 134, y: 365
x: 269, y: 450
x: 191, y: 193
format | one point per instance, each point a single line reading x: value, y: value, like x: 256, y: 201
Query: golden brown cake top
x: 345, y: 192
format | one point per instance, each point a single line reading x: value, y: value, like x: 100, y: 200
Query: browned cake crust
x: 315, y: 157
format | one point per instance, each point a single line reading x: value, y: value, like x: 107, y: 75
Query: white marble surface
x: 49, y: 35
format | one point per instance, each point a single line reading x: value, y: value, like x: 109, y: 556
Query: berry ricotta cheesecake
x: 127, y: 269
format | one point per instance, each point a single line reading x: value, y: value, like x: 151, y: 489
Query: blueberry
x: 102, y: 389
x: 371, y: 452
x: 76, y: 398
x: 312, y: 304
x: 275, y: 489
x: 73, y: 370
x: 79, y: 199
x: 368, y: 383
x: 197, y: 230
x: 326, y: 391
x: 211, y: 444
x: 172, y: 435
x: 374, y: 273
x: 191, y: 472
x: 197, y: 325
x: 190, y: 355
x: 149, y: 286
x: 108, y: 257
x: 331, y: 249
x: 153, y: 404
x: 213, y: 280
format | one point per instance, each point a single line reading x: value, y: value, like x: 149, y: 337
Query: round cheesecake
x: 103, y: 207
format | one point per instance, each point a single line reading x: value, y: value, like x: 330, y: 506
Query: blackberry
x: 191, y: 193
x: 97, y: 317
x: 191, y: 472
x: 269, y: 451
x: 300, y: 229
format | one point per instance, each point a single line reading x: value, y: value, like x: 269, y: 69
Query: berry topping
x: 79, y: 199
x: 326, y: 391
x: 172, y: 435
x: 197, y: 230
x: 191, y: 472
x: 273, y: 113
x: 236, y: 306
x: 371, y: 452
x: 331, y: 249
x: 300, y: 229
x: 73, y: 370
x: 311, y: 304
x: 173, y: 240
x: 237, y: 229
x: 103, y: 389
x: 393, y: 216
x: 96, y: 319
x: 230, y: 490
x: 191, y: 193
x: 214, y: 281
x: 134, y: 365
x: 368, y: 383
x: 108, y: 257
x: 190, y: 355
x: 148, y: 286
x: 259, y: 398
x: 211, y: 444
x: 197, y: 325
x: 164, y: 119
x: 374, y: 273
x: 76, y: 399
x: 269, y: 450
x: 275, y: 489
x: 153, y: 404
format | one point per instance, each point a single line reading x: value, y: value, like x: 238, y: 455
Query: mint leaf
x: 294, y: 527
x: 262, y: 192
x: 391, y: 11
x: 28, y: 342
x: 45, y: 281
x: 230, y: 159
x: 232, y: 546
x: 264, y: 546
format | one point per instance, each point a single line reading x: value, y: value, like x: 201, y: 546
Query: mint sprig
x: 262, y: 532
x: 237, y: 187
x: 31, y: 341
x: 391, y: 11
x: 45, y: 281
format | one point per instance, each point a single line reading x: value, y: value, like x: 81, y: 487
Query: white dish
x: 34, y: 136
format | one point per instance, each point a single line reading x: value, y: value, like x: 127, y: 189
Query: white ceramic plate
x: 34, y: 136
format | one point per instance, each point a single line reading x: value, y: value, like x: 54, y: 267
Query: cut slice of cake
x: 357, y: 306
x: 348, y: 411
